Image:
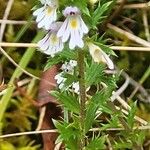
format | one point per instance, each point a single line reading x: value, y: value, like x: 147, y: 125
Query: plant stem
x: 82, y: 90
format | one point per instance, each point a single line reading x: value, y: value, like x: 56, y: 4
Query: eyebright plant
x: 84, y: 88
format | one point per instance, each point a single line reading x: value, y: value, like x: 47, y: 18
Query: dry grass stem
x: 120, y: 90
x: 42, y: 114
x: 7, y: 44
x: 6, y: 14
x: 28, y: 133
x: 15, y: 22
x: 34, y: 45
x: 23, y: 70
x: 137, y: 6
x: 146, y: 127
x: 129, y: 35
x: 15, y: 64
x: 128, y: 48
x: 146, y: 25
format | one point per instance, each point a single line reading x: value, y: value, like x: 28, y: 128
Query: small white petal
x: 72, y: 42
x: 38, y: 11
x: 43, y: 44
x: 83, y: 26
x: 66, y: 34
x: 108, y: 60
x: 62, y: 28
x: 40, y: 17
x: 41, y: 23
x: 79, y: 40
x: 75, y: 87
x: 47, y: 22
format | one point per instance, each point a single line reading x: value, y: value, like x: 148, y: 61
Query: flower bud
x: 92, y: 2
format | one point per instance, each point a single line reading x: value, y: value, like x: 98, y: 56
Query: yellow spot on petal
x: 49, y: 10
x: 97, y: 56
x: 73, y: 23
x: 54, y: 39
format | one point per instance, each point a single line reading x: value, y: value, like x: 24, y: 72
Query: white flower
x: 73, y: 63
x: 73, y: 28
x: 66, y: 67
x: 75, y: 86
x: 60, y: 80
x: 46, y: 15
x: 51, y: 44
x: 99, y: 55
x: 69, y: 66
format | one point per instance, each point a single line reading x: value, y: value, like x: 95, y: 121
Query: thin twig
x: 123, y: 103
x: 7, y: 44
x: 23, y: 70
x: 126, y: 48
x: 34, y: 45
x: 121, y: 89
x: 15, y: 64
x: 139, y: 87
x: 137, y: 6
x: 109, y: 143
x: 6, y: 14
x: 146, y: 25
x: 29, y: 133
x: 129, y: 35
x: 42, y: 114
x: 146, y: 127
x: 135, y: 84
x: 58, y: 146
x: 116, y: 12
x: 14, y: 22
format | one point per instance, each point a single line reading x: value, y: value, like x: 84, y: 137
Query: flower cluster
x: 67, y: 67
x: 72, y: 29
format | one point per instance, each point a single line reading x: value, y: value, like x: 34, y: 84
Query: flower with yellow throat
x: 73, y: 28
x: 51, y: 44
x: 46, y: 15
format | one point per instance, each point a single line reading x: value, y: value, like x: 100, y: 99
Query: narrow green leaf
x: 82, y: 5
x: 68, y: 133
x: 97, y: 15
x: 131, y: 115
x: 98, y: 101
x: 68, y: 100
x: 96, y: 144
x: 94, y: 74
